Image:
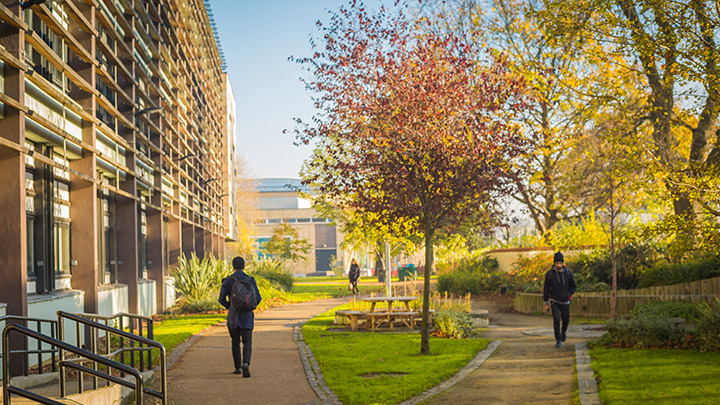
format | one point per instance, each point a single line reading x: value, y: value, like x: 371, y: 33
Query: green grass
x: 344, y: 279
x: 309, y: 292
x: 629, y: 376
x: 383, y: 367
x: 173, y: 331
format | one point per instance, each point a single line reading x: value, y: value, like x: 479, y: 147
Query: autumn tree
x: 415, y: 123
x: 675, y: 46
x: 245, y: 206
x: 286, y: 243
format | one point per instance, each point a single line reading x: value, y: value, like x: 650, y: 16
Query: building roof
x: 275, y: 185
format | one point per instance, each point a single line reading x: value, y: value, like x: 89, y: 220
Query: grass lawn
x: 383, y: 367
x: 173, y: 331
x: 344, y: 279
x: 630, y: 376
x: 309, y: 292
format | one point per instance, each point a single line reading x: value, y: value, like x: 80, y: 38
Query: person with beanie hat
x: 558, y: 289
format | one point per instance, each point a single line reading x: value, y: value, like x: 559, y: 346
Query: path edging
x: 476, y: 362
x: 312, y: 369
x: 327, y: 396
x: 587, y: 386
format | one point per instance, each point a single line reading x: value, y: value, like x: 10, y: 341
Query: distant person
x: 557, y: 293
x: 353, y: 275
x: 239, y: 294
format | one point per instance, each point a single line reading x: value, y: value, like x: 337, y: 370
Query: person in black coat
x: 240, y: 323
x: 353, y: 275
x: 558, y: 289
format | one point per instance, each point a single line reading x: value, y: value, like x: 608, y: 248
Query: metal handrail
x: 9, y: 389
x: 120, y: 316
x: 132, y: 337
x: 39, y: 351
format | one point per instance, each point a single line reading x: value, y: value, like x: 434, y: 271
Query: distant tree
x: 245, y: 212
x: 415, y: 124
x: 286, y: 243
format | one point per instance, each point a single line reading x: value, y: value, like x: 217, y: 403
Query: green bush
x: 674, y: 273
x: 631, y: 261
x: 656, y: 310
x: 708, y: 327
x: 461, y: 283
x: 647, y: 332
x: 274, y: 271
x: 454, y: 324
x: 197, y: 282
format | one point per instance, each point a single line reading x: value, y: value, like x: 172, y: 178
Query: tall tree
x: 675, y: 46
x: 287, y: 244
x: 415, y: 123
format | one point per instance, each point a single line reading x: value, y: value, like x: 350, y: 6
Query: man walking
x: 557, y: 293
x: 240, y: 318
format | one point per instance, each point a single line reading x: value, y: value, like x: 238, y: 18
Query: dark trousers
x: 237, y: 335
x: 560, y: 312
x: 355, y: 289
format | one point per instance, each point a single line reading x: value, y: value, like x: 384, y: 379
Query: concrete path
x: 203, y: 374
x: 525, y: 368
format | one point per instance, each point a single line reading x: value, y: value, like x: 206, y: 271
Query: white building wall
x: 170, y: 294
x: 146, y: 294
x: 113, y: 299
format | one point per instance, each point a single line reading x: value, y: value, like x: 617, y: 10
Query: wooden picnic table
x: 390, y: 301
x: 405, y: 315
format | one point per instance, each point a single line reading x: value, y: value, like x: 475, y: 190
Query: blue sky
x: 257, y: 37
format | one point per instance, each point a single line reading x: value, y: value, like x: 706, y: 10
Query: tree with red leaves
x: 413, y: 125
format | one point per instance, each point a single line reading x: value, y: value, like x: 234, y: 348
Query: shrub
x: 656, y: 310
x: 674, y: 273
x: 454, y: 324
x: 461, y: 283
x: 708, y: 327
x: 631, y: 260
x: 647, y: 332
x: 274, y: 271
x: 198, y: 282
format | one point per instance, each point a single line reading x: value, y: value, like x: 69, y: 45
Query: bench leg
x: 353, y: 323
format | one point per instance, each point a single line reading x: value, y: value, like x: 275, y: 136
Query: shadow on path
x: 203, y: 374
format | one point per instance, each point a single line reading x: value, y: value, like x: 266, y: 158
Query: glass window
x: 62, y: 247
x: 30, y: 246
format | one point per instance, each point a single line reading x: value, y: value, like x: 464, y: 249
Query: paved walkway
x: 524, y: 368
x: 203, y: 374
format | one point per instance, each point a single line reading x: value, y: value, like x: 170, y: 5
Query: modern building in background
x: 230, y: 216
x: 280, y: 202
x: 114, y: 152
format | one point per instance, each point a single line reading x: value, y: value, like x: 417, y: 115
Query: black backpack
x: 242, y: 295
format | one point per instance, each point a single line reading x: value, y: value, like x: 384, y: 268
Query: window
x: 142, y: 244
x: 62, y: 247
x: 30, y: 246
x: 107, y: 252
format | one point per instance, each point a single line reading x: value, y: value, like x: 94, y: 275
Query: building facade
x: 113, y: 152
x: 280, y: 202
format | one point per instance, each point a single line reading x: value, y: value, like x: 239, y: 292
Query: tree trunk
x: 613, y: 299
x: 425, y: 330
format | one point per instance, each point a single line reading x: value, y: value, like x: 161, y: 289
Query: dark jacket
x: 559, y: 286
x: 354, y: 272
x: 235, y: 319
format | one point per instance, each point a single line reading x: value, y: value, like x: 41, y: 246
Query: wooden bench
x: 407, y: 318
x: 375, y: 319
x: 353, y: 316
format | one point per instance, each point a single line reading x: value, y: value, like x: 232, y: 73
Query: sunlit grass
x: 382, y: 367
x: 630, y: 376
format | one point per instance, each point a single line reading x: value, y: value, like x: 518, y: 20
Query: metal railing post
x: 61, y: 354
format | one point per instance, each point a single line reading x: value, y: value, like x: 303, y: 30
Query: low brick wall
x: 598, y: 304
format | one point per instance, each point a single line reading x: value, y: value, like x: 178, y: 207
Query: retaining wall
x: 598, y: 303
